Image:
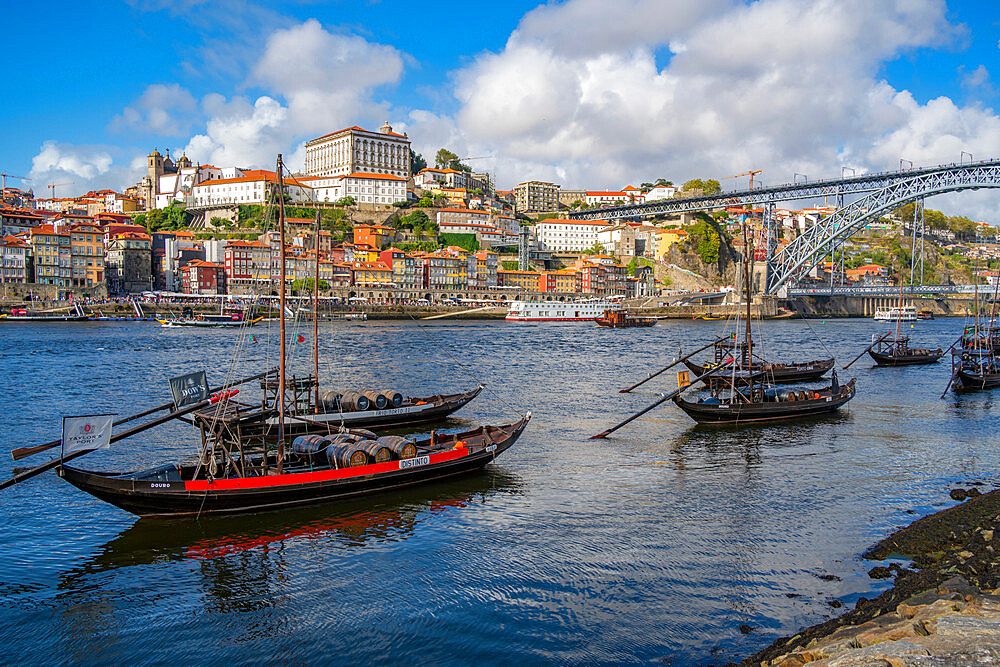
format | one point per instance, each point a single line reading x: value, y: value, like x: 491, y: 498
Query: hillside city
x: 398, y: 229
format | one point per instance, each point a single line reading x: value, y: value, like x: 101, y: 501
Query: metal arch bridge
x: 882, y: 192
x: 795, y: 259
x: 832, y: 187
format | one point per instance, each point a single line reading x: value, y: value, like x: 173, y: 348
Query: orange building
x: 377, y: 236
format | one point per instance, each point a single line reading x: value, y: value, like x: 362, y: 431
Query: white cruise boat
x: 559, y: 311
x: 903, y: 313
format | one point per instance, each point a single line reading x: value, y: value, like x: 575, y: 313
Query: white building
x: 253, y: 188
x: 555, y: 235
x: 356, y: 150
x: 660, y: 192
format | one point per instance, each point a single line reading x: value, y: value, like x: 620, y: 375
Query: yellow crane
x: 52, y: 188
x: 3, y: 179
x: 747, y: 173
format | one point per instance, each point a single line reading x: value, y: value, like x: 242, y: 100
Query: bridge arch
x: 795, y: 259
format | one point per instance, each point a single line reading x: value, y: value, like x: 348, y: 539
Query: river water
x: 656, y: 544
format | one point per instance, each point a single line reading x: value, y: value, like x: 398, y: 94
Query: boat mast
x: 281, y: 315
x: 746, y: 271
x: 316, y: 315
x: 899, y: 310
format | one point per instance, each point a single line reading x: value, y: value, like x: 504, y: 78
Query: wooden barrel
x: 394, y: 398
x: 376, y: 399
x: 401, y: 447
x: 352, y: 400
x: 338, y: 438
x: 346, y: 455
x: 377, y: 452
x: 803, y: 396
x: 330, y: 399
x: 309, y: 446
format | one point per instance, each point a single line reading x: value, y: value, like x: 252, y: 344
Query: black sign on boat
x: 190, y: 388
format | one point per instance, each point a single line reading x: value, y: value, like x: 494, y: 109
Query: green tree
x: 345, y: 201
x: 962, y: 226
x: 155, y: 220
x: 445, y: 159
x: 306, y: 285
x: 417, y: 162
x: 664, y: 182
x: 709, y: 187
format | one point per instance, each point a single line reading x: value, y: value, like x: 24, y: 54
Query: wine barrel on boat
x: 376, y: 399
x: 330, y: 399
x: 394, y: 398
x: 400, y: 447
x: 377, y: 452
x: 352, y: 400
x: 346, y: 455
x: 310, y: 446
x: 340, y: 438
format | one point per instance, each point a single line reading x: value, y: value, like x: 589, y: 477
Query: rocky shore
x: 944, y: 608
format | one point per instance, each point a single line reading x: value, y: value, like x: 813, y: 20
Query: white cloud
x: 81, y: 168
x: 318, y: 81
x: 578, y: 95
x: 163, y: 109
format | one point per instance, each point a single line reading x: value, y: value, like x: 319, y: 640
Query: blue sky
x: 585, y: 93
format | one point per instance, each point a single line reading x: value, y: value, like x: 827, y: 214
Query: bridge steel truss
x: 795, y: 259
x: 836, y: 187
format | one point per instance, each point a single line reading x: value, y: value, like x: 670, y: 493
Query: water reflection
x: 345, y: 525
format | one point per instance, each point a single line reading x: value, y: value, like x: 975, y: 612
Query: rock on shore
x: 945, y: 611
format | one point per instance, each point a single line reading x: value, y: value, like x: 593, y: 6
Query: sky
x: 585, y: 93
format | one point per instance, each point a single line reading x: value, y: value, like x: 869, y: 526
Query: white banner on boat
x: 86, y: 432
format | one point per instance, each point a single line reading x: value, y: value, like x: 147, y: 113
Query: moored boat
x: 897, y: 352
x: 764, y: 405
x: 190, y: 490
x: 620, y: 319
x: 584, y: 310
x: 900, y: 313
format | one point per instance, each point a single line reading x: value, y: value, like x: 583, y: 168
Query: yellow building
x: 87, y: 254
x: 666, y: 238
x: 372, y: 274
x: 529, y: 280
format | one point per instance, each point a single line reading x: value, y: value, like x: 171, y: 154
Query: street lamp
x: 844, y: 169
x: 795, y: 175
x: 961, y: 158
x: 901, y: 161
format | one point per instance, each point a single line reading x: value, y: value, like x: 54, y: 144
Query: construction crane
x: 52, y: 188
x: 747, y: 173
x: 4, y: 176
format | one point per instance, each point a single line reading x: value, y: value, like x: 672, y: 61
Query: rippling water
x: 653, y: 545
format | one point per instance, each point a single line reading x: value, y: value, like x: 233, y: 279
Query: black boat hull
x: 741, y: 413
x: 163, y: 493
x: 905, y: 360
x: 967, y: 381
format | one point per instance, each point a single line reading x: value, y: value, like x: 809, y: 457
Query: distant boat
x: 896, y: 313
x: 585, y: 310
x: 897, y: 352
x: 23, y: 315
x: 620, y: 319
x: 211, y: 321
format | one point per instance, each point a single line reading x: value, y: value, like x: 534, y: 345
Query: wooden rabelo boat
x: 738, y: 391
x: 378, y: 410
x: 975, y: 356
x: 243, y: 467
x: 304, y: 477
x: 897, y: 352
x: 767, y: 404
x: 777, y: 373
x: 620, y: 319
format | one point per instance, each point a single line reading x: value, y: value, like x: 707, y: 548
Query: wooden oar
x: 31, y: 472
x: 22, y: 452
x: 674, y: 363
x: 604, y: 434
x: 874, y: 343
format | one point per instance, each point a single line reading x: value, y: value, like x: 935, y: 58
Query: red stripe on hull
x: 317, y: 476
